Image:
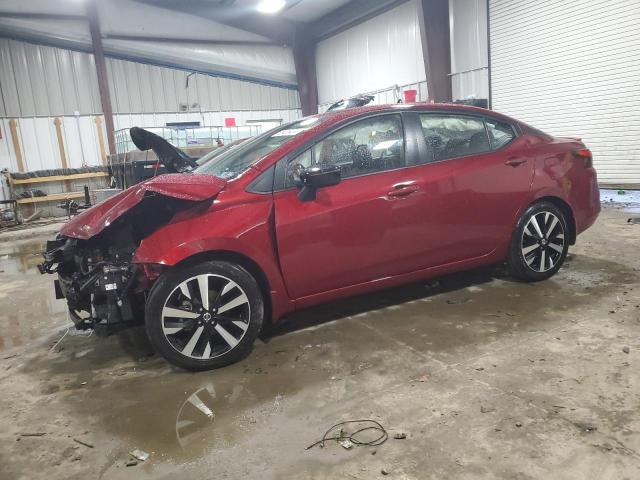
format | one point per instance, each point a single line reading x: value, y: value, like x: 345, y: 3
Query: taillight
x: 586, y: 156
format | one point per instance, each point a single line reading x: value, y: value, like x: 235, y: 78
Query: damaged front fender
x: 186, y: 186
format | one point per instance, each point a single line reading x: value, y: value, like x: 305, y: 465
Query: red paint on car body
x: 177, y: 185
x: 356, y: 237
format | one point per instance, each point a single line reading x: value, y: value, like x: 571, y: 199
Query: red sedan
x: 322, y: 208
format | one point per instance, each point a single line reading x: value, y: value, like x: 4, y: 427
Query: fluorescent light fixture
x: 271, y: 6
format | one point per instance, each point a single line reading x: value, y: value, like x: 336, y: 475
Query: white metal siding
x: 377, y: 54
x: 572, y: 68
x: 39, y: 83
x: 469, y: 57
x: 37, y: 80
x: 141, y: 88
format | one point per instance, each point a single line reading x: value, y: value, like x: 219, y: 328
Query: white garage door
x: 572, y: 68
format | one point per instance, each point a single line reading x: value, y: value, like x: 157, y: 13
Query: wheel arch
x: 244, y: 261
x: 566, y: 209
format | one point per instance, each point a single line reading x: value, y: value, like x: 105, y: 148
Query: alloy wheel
x: 206, y: 316
x: 542, y: 241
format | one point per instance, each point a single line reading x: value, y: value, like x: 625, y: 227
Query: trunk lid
x: 183, y: 186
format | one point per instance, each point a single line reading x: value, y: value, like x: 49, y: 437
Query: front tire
x: 539, y: 243
x: 204, y: 316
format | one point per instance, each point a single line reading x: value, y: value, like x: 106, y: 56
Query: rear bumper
x: 588, y: 208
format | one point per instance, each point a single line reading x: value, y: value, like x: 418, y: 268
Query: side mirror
x: 317, y: 177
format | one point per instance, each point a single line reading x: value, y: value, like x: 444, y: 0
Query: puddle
x: 629, y: 200
x: 29, y: 307
x: 317, y: 359
x: 20, y: 258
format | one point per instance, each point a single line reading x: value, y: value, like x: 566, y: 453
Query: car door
x: 352, y: 232
x: 472, y: 178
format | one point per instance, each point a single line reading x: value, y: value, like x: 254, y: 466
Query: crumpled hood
x: 184, y: 186
x: 173, y: 159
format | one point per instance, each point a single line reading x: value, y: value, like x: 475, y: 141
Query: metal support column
x: 101, y: 69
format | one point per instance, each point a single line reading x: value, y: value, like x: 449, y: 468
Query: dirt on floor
x: 487, y: 378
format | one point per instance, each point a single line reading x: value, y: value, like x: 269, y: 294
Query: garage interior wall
x: 373, y: 56
x: 572, y: 69
x: 469, y: 54
x: 40, y: 83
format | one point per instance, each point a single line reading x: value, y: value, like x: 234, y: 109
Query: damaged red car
x: 326, y: 207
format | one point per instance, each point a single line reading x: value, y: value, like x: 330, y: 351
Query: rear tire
x: 539, y: 243
x: 204, y: 316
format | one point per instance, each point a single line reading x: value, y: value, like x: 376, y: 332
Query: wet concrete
x: 488, y: 378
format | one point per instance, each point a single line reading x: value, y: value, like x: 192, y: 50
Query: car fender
x: 219, y: 230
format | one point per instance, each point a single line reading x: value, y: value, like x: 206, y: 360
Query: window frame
x: 279, y: 184
x: 513, y: 130
x: 417, y: 127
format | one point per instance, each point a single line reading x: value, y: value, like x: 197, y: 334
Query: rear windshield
x: 237, y: 159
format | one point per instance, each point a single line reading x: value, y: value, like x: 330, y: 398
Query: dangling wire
x: 342, y: 435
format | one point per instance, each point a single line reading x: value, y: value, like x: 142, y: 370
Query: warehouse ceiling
x: 219, y: 37
x: 315, y: 18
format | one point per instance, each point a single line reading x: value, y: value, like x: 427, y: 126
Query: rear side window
x: 500, y: 133
x: 451, y: 136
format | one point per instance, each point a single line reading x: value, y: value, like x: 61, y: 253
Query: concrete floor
x: 487, y: 377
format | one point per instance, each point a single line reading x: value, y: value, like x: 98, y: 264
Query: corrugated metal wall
x: 37, y: 80
x: 141, y: 88
x: 377, y: 54
x: 573, y: 69
x: 40, y: 83
x: 469, y: 55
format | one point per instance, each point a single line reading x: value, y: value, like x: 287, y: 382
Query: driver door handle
x: 402, y: 190
x: 515, y: 161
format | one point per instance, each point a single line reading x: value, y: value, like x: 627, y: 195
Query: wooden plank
x: 63, y: 156
x: 51, y: 198
x: 59, y: 178
x: 103, y: 155
x: 13, y: 125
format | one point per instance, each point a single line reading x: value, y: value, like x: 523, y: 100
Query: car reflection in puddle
x: 195, y: 415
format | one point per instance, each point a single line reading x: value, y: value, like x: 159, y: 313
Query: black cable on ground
x: 341, y: 435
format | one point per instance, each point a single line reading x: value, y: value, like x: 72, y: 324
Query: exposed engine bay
x: 103, y: 288
x: 93, y: 254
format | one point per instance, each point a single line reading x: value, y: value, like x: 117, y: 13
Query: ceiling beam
x: 274, y: 28
x: 348, y: 16
x: 42, y: 16
x: 144, y: 38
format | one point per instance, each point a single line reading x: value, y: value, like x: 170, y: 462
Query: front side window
x: 296, y: 167
x: 451, y: 136
x: 500, y: 133
x: 236, y: 160
x: 368, y: 146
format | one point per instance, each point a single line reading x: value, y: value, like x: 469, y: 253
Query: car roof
x: 329, y: 118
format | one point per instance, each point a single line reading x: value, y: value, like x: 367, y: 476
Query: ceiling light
x: 270, y: 6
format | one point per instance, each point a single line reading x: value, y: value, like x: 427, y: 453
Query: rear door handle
x: 402, y: 190
x: 515, y: 161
